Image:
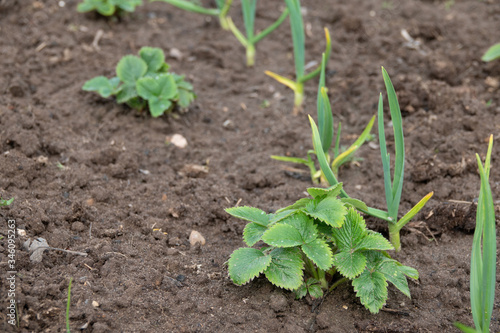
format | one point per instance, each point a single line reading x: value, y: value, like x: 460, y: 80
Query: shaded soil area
x: 92, y: 176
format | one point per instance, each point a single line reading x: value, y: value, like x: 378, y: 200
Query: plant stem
x: 322, y: 279
x: 250, y: 55
x: 68, y: 304
x: 299, y: 97
x: 337, y: 283
x: 394, y: 236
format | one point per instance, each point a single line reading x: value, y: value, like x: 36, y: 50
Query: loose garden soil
x: 93, y: 176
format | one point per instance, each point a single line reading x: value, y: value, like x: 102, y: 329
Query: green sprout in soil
x: 68, y: 304
x: 221, y: 11
x: 298, y: 37
x: 393, y: 188
x: 337, y: 157
x: 248, y: 9
x: 483, y: 257
x: 145, y: 81
x: 315, y: 245
x: 108, y: 7
x: 492, y: 53
x: 6, y: 202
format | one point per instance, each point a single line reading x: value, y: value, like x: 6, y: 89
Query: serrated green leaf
x: 185, y: 98
x: 349, y: 264
x: 301, y: 291
x: 285, y: 269
x: 329, y: 210
x: 351, y: 233
x: 128, y: 5
x: 251, y: 214
x: 371, y: 288
x: 104, y: 86
x: 304, y: 224
x: 126, y: 92
x: 280, y: 215
x: 332, y: 191
x: 161, y: 86
x: 320, y: 253
x: 246, y: 264
x: 105, y: 8
x: 153, y: 57
x: 394, y: 275
x: 315, y: 291
x: 158, y: 106
x: 358, y: 204
x: 301, y: 203
x: 409, y: 271
x: 86, y: 6
x: 374, y: 241
x: 282, y: 235
x: 130, y: 68
x: 253, y: 233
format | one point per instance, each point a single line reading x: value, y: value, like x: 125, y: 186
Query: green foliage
x: 144, y: 80
x: 326, y: 134
x: 483, y: 257
x: 492, y: 53
x: 6, y: 202
x: 313, y: 236
x: 221, y: 11
x: 68, y: 304
x: 298, y: 38
x: 248, y: 9
x: 108, y: 7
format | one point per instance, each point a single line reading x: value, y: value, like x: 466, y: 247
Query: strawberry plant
x: 4, y: 202
x: 484, y: 254
x: 298, y: 38
x: 316, y: 244
x: 145, y: 81
x: 221, y: 10
x: 108, y: 7
x: 326, y: 133
x: 248, y: 9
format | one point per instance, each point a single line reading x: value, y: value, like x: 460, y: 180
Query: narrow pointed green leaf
x: 465, y: 329
x: 298, y: 36
x: 282, y: 235
x: 358, y: 204
x: 325, y: 117
x: 408, y: 216
x: 286, y: 268
x: 253, y: 233
x: 329, y: 210
x: 320, y: 253
x: 251, y: 214
x: 349, y: 264
x: 332, y: 191
x: 371, y: 288
x: 130, y: 68
x: 492, y: 53
x: 245, y: 264
x: 297, y: 160
x: 386, y: 161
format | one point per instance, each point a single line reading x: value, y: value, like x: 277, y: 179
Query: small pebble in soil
x: 181, y: 278
x: 195, y: 237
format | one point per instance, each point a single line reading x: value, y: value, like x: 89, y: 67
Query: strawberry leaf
x: 371, y: 288
x: 332, y: 191
x: 329, y: 210
x: 246, y: 264
x: 153, y: 57
x: 349, y: 264
x: 320, y: 253
x: 305, y: 226
x: 282, y: 235
x: 253, y: 233
x: 249, y: 214
x: 285, y: 269
x: 130, y: 68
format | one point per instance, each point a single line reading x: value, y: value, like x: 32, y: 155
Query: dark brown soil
x: 120, y: 182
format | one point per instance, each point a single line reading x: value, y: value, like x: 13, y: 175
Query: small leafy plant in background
x: 248, y: 10
x: 492, y: 53
x: 221, y: 10
x: 316, y: 244
x: 108, y: 7
x: 298, y: 37
x: 393, y: 187
x: 326, y: 132
x: 145, y: 81
x: 4, y: 202
x: 483, y: 257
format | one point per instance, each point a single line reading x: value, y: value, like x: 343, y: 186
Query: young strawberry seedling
x: 323, y: 236
x: 108, y: 7
x: 4, y: 202
x: 248, y: 9
x: 326, y: 133
x: 393, y: 188
x: 484, y: 253
x: 221, y: 11
x: 145, y: 80
x: 298, y: 37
